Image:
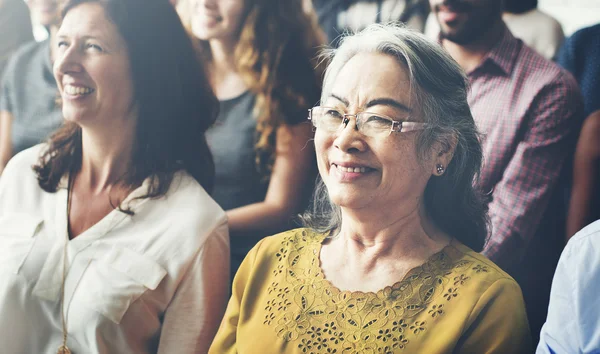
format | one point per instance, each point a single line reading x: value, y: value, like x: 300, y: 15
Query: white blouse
x: 155, y: 282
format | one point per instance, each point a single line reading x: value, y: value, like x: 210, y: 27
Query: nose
x: 67, y: 61
x: 349, y: 139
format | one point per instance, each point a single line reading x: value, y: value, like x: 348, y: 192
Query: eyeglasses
x: 369, y: 124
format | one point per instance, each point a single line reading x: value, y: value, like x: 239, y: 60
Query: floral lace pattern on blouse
x: 306, y: 309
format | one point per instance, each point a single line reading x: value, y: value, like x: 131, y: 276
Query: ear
x: 442, y: 154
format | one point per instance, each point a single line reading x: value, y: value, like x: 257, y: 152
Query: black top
x: 232, y: 141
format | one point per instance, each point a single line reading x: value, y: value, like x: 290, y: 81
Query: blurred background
x: 572, y: 14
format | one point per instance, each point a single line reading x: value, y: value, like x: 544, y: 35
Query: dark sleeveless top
x: 238, y: 181
x: 231, y: 140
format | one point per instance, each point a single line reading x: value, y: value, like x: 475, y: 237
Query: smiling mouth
x: 208, y: 17
x: 353, y: 169
x: 78, y: 90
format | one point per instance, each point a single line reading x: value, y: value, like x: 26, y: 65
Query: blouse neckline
x: 104, y: 225
x: 411, y: 275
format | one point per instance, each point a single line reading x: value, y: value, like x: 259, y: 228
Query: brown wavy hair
x: 175, y: 103
x: 277, y: 57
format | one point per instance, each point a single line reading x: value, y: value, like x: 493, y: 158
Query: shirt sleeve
x: 192, y: 318
x: 573, y: 321
x: 498, y: 322
x: 522, y: 195
x: 226, y: 338
x: 559, y: 333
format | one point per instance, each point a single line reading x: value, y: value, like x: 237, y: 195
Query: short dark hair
x: 519, y: 6
x: 175, y: 102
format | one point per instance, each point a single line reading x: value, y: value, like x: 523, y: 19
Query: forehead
x: 368, y: 76
x: 87, y: 18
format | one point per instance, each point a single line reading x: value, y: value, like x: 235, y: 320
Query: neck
x: 223, y: 55
x: 224, y: 76
x: 469, y: 56
x: 385, y: 233
x: 106, y: 156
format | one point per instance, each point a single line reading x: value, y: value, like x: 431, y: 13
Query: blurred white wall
x: 572, y: 14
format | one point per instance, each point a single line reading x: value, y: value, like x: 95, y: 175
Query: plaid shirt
x: 529, y: 111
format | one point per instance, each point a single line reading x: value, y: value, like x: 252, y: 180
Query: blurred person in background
x: 260, y: 56
x: 538, y: 30
x: 111, y: 243
x: 29, y: 107
x: 387, y: 262
x: 339, y: 16
x: 580, y: 55
x: 530, y: 112
x: 15, y: 26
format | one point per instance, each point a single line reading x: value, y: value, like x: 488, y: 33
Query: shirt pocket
x: 17, y: 233
x: 115, y: 280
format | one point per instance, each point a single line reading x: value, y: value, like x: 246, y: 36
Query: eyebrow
x: 63, y: 36
x: 378, y: 101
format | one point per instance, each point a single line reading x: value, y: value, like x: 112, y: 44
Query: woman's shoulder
x: 477, y: 270
x: 31, y: 48
x: 190, y: 204
x: 20, y: 165
x: 285, y: 242
x: 279, y: 249
x: 19, y: 187
x: 26, y: 54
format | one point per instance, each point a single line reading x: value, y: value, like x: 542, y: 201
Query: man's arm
x: 586, y: 170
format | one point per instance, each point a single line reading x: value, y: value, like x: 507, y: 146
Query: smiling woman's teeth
x: 78, y: 91
x: 352, y: 169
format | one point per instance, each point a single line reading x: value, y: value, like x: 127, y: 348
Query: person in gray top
x: 15, y: 26
x: 260, y: 57
x: 29, y: 109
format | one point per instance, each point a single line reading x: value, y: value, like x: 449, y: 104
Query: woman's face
x: 92, y: 67
x: 384, y: 172
x: 216, y: 19
x: 45, y: 12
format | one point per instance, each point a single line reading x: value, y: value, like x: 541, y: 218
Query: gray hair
x: 439, y: 87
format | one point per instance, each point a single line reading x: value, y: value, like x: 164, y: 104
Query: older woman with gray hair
x: 387, y: 262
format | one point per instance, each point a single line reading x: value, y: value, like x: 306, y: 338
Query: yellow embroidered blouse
x: 456, y: 302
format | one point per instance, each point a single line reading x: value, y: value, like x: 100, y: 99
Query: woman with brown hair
x: 260, y: 56
x: 112, y: 244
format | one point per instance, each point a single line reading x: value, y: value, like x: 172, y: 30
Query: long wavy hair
x: 174, y: 99
x: 277, y: 57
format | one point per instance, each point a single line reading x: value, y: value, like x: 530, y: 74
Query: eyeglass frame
x: 397, y: 126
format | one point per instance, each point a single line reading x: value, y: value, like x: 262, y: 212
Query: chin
x: 457, y: 37
x: 203, y: 32
x: 73, y: 116
x: 349, y: 199
x: 200, y: 34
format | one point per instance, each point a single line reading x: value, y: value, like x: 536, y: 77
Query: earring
x: 440, y: 169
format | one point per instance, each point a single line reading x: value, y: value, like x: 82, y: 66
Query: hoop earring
x: 440, y: 169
